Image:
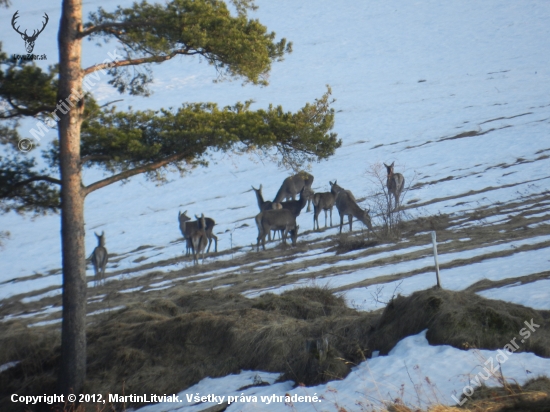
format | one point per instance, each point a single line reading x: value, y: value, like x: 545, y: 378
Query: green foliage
x: 24, y: 189
x: 25, y: 89
x: 234, y: 45
x: 148, y: 141
x: 123, y: 140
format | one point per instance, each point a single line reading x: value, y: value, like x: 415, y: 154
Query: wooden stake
x: 434, y: 241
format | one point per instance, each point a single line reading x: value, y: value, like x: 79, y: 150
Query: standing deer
x: 262, y: 204
x: 325, y: 201
x: 29, y: 40
x: 346, y: 205
x: 199, y: 239
x: 322, y: 201
x: 296, y: 206
x: 188, y: 227
x: 292, y: 185
x: 281, y: 219
x: 265, y: 204
x: 395, y: 183
x: 99, y: 259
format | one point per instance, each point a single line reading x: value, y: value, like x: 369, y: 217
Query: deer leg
x: 316, y: 212
x: 216, y: 242
x: 350, y: 219
x: 341, y: 222
x: 331, y: 217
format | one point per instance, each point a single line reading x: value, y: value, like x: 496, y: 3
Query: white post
x: 434, y: 241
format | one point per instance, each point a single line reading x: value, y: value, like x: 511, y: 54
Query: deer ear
x: 392, y: 163
x: 386, y: 165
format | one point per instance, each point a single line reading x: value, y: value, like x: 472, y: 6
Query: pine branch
x: 135, y: 62
x: 129, y: 173
x: 25, y: 182
x: 113, y: 25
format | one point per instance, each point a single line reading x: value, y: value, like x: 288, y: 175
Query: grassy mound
x: 166, y: 345
x: 307, y: 335
x: 463, y: 320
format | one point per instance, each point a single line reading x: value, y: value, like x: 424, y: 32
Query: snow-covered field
x: 456, y: 93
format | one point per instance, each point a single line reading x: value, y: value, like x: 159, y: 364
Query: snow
x: 418, y: 374
x: 407, y: 76
x: 534, y: 294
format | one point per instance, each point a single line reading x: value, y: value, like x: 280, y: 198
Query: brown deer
x: 99, y: 259
x: 292, y: 185
x: 282, y: 220
x: 296, y: 206
x: 188, y: 227
x: 262, y: 204
x: 199, y: 240
x: 395, y: 183
x: 265, y: 204
x: 322, y: 201
x: 325, y: 201
x: 29, y: 40
x: 347, y: 206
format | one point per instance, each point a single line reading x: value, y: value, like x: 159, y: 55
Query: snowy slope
x: 456, y: 93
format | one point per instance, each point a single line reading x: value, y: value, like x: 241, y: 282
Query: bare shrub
x: 387, y: 220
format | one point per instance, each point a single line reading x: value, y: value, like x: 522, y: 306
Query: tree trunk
x: 73, y: 340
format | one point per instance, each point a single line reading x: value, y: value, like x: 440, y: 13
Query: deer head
x: 100, y: 239
x: 29, y: 40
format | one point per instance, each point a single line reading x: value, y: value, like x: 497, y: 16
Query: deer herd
x: 278, y: 216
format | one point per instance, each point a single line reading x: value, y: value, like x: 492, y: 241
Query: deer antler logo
x: 29, y: 40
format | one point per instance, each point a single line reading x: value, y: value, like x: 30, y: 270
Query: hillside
x: 456, y: 94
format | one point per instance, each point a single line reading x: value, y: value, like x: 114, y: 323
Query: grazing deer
x: 29, y: 40
x: 346, y: 205
x: 199, y: 239
x: 188, y: 227
x: 292, y: 185
x: 395, y: 183
x: 99, y: 259
x: 282, y: 220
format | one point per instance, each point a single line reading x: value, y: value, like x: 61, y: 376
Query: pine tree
x: 135, y: 142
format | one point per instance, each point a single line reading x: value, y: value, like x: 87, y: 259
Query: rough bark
x: 73, y: 342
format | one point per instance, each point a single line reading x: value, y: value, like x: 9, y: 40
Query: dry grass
x: 307, y: 335
x: 461, y: 319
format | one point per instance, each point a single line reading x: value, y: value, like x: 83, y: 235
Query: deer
x: 265, y: 204
x: 347, y: 205
x: 325, y: 201
x: 29, y: 40
x: 199, y: 239
x: 262, y: 204
x: 395, y: 183
x: 292, y: 185
x: 282, y: 219
x: 188, y: 227
x: 322, y: 201
x: 99, y: 259
x: 296, y: 206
